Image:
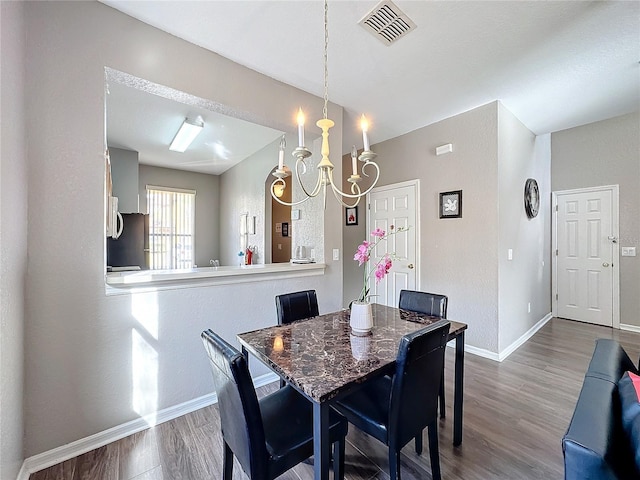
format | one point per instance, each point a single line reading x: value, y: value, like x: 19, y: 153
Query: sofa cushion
x: 629, y: 391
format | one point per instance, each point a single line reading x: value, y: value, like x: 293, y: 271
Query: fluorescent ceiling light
x: 189, y: 130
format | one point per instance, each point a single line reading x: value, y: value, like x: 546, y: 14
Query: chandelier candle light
x: 325, y: 167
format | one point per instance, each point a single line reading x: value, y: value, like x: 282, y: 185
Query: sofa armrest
x: 589, y: 446
x: 609, y: 361
x: 595, y: 445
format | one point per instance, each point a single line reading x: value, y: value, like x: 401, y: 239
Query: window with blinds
x: 172, y: 213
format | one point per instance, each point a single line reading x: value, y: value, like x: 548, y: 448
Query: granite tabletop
x: 323, y: 359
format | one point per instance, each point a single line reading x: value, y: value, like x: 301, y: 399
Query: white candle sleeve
x: 365, y: 141
x: 365, y: 138
x: 300, y: 128
x: 354, y: 160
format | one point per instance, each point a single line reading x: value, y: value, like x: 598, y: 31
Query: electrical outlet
x: 336, y: 254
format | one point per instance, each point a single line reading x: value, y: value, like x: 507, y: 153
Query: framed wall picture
x: 351, y: 216
x: 451, y: 204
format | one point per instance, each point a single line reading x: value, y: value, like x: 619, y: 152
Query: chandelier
x: 325, y: 167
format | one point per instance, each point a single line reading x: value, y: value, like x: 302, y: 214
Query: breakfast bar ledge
x: 122, y: 282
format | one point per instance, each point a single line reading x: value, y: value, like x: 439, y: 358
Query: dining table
x: 324, y: 361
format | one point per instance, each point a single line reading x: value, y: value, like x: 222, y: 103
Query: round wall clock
x: 531, y: 197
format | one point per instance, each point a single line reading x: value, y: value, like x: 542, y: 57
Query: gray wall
x: 207, y: 187
x: 242, y: 190
x: 458, y: 256
x: 466, y: 259
x: 13, y: 237
x: 124, y: 176
x: 246, y: 188
x: 526, y: 278
x: 81, y: 344
x: 607, y: 153
x: 354, y: 235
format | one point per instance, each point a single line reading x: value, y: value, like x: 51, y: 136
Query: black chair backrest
x: 423, y: 302
x: 416, y: 383
x: 294, y: 306
x: 240, y: 416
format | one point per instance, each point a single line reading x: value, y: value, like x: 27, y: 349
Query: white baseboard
x: 630, y: 328
x: 65, y: 452
x: 499, y: 357
x: 23, y: 474
x: 523, y: 338
x: 481, y: 352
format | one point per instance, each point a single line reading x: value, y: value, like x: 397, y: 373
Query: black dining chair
x: 296, y: 306
x: 396, y: 409
x: 430, y: 304
x: 423, y: 302
x: 268, y: 436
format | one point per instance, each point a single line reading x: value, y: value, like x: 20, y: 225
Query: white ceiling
x: 553, y: 64
x: 146, y: 123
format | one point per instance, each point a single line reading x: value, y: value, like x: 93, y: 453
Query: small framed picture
x: 351, y: 216
x: 451, y: 204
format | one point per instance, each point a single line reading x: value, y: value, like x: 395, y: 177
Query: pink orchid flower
x: 378, y: 232
x: 361, y: 257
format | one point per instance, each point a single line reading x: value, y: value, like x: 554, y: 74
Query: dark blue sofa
x: 596, y: 446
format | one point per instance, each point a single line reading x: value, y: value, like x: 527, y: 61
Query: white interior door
x: 586, y: 260
x: 395, y: 205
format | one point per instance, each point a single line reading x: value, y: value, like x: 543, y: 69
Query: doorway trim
x: 409, y: 183
x: 615, y: 255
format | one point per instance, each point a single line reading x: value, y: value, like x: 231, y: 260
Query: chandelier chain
x: 325, y: 167
x: 326, y: 49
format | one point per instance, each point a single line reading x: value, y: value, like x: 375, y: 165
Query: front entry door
x: 395, y: 205
x: 585, y: 255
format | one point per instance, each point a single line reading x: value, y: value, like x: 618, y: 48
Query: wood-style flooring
x: 515, y: 414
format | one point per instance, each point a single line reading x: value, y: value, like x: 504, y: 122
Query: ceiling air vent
x: 387, y: 22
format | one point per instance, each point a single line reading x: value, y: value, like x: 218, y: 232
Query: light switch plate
x: 628, y: 251
x: 295, y: 214
x: 336, y: 254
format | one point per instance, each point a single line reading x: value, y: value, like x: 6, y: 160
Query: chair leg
x: 394, y: 464
x: 434, y: 452
x: 419, y: 443
x: 441, y: 397
x: 227, y: 463
x: 338, y: 459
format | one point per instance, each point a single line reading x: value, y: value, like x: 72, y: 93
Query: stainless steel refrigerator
x: 131, y: 249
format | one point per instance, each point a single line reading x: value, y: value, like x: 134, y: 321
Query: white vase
x: 361, y: 320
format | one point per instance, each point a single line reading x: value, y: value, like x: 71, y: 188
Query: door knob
x: 410, y: 266
x: 605, y: 264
